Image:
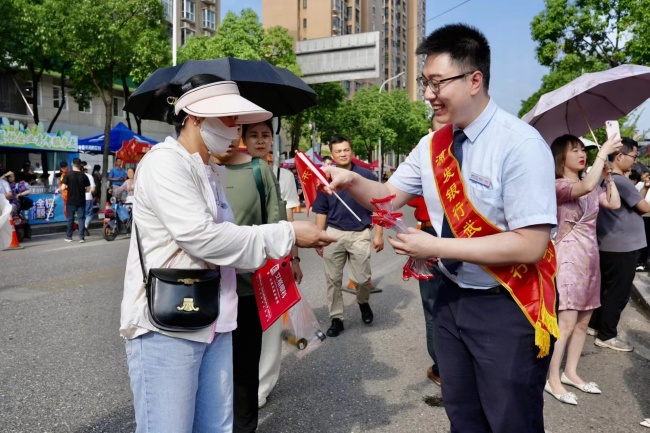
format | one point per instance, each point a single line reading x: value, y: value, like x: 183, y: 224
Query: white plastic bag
x: 300, y: 328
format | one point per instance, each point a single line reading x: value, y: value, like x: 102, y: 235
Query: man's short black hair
x: 327, y: 158
x: 635, y: 175
x: 628, y: 145
x: 339, y: 139
x: 76, y: 162
x: 63, y: 164
x: 466, y: 45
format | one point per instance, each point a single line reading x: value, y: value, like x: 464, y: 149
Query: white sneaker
x: 68, y: 240
x: 261, y: 403
x: 81, y: 241
x: 615, y: 344
x: 640, y: 268
x: 592, y: 332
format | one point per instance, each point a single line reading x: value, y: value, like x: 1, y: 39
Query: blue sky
x: 506, y: 23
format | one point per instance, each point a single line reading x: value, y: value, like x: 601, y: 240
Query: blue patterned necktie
x: 450, y: 264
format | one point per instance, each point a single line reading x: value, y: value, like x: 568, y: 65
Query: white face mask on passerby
x: 216, y: 135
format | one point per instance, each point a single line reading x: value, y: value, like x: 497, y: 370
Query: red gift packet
x: 275, y: 290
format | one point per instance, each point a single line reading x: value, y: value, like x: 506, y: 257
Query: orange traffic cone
x: 14, y: 245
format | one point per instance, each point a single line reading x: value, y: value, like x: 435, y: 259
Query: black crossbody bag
x: 181, y: 300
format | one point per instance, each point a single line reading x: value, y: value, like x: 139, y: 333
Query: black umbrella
x: 275, y: 89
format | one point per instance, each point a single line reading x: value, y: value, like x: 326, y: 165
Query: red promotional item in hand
x: 385, y: 216
x: 310, y: 176
x: 275, y: 290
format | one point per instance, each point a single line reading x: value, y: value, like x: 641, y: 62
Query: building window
x: 304, y: 4
x: 209, y: 19
x: 189, y: 10
x: 304, y: 23
x: 167, y: 6
x: 118, y: 105
x: 186, y: 33
x: 348, y: 29
x: 57, y: 97
x: 86, y: 107
x: 28, y: 90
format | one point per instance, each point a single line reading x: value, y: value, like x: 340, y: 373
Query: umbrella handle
x: 584, y: 116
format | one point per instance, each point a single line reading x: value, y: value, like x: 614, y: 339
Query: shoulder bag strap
x: 137, y: 237
x: 257, y: 174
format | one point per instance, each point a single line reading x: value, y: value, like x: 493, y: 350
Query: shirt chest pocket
x: 481, y: 195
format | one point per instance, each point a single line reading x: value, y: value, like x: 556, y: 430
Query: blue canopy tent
x: 119, y: 134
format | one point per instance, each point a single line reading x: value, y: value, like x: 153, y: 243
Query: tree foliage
x: 111, y: 40
x: 243, y: 37
x: 371, y: 115
x: 578, y: 36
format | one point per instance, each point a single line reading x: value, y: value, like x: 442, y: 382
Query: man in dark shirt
x: 620, y: 239
x: 77, y: 185
x: 353, y: 244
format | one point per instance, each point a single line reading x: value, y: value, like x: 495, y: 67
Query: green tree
x: 32, y: 45
x: 104, y: 39
x: 243, y: 37
x: 409, y: 120
x: 578, y: 36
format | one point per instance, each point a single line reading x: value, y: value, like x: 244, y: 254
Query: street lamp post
x: 379, y: 155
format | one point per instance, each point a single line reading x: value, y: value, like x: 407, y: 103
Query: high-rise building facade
x: 193, y: 18
x: 312, y: 19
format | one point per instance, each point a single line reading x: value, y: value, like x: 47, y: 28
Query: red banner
x: 275, y: 290
x: 531, y: 286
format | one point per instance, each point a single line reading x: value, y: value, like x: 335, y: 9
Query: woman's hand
x: 308, y: 235
x: 607, y: 171
x: 612, y: 145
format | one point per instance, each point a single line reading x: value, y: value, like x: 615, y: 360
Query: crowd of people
x: 535, y: 250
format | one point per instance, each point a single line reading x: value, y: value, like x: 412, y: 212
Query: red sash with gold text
x: 531, y: 286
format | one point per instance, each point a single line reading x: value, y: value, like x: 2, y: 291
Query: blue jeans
x: 80, y: 211
x: 89, y: 212
x: 181, y: 386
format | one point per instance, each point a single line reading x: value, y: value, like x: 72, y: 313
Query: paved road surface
x: 62, y: 362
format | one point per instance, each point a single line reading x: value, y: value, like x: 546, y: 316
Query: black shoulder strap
x: 278, y: 175
x: 257, y: 174
x: 137, y: 237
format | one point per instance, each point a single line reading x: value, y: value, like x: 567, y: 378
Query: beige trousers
x: 353, y: 248
x: 270, y: 359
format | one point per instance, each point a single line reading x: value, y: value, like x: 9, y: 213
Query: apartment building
x: 193, y: 18
x: 312, y: 19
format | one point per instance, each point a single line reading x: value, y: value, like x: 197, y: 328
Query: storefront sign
x: 17, y: 136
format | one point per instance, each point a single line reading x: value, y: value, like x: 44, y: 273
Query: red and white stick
x: 323, y: 180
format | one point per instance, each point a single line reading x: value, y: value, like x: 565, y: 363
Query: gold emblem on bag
x: 188, y: 281
x: 188, y: 305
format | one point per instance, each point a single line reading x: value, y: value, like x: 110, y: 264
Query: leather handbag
x: 181, y: 300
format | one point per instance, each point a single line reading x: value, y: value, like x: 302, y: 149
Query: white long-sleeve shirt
x: 182, y: 224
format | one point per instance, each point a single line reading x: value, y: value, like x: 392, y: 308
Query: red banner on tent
x: 275, y: 290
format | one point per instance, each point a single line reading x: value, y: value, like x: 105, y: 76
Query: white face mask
x: 217, y: 136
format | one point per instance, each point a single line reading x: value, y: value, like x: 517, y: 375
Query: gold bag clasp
x: 188, y: 305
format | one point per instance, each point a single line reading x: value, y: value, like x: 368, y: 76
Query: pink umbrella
x: 590, y: 100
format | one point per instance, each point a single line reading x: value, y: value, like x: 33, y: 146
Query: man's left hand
x: 378, y: 243
x: 416, y: 244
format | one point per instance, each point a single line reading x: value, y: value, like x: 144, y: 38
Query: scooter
x: 117, y: 219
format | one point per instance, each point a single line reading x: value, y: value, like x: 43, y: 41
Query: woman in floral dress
x: 578, y: 274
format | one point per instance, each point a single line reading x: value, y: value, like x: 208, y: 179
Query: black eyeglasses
x: 434, y: 85
x: 634, y: 157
